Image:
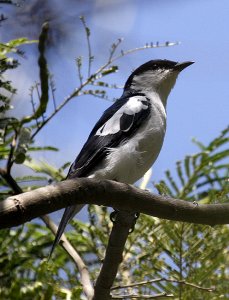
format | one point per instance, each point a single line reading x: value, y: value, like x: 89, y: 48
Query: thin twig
x: 136, y: 296
x: 79, y: 65
x: 39, y: 97
x: 93, y: 77
x: 33, y: 104
x: 53, y: 89
x: 114, y: 47
x: 84, y: 274
x: 90, y: 57
x: 10, y: 157
x: 147, y: 46
x: 106, y: 85
x: 123, y: 222
x: 67, y: 99
x: 37, y: 89
x: 97, y: 94
x: 66, y: 245
x: 136, y: 284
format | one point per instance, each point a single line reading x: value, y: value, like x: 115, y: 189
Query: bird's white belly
x: 131, y: 160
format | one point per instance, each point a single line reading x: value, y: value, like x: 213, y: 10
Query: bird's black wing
x: 117, y: 124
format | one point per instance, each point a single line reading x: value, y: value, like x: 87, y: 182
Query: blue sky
x: 198, y: 105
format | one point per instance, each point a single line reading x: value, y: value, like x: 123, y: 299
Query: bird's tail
x: 69, y: 213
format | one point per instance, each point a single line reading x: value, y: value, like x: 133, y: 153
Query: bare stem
x: 136, y: 284
x: 88, y: 33
x: 10, y: 157
x: 136, y: 296
x: 114, y: 47
x: 65, y: 244
x: 147, y: 46
x: 124, y: 221
x: 95, y: 76
x: 53, y: 89
x: 79, y: 65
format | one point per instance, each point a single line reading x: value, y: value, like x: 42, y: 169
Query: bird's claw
x: 113, y: 217
x: 136, y: 216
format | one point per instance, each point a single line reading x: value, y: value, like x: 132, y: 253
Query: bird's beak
x: 181, y: 66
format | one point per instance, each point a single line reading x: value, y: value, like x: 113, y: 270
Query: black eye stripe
x: 144, y: 102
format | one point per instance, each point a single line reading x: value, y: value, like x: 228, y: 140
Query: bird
x: 127, y: 139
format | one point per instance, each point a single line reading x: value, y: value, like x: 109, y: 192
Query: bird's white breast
x: 131, y: 160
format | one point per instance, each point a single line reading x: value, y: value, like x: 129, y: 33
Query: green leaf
x: 45, y: 148
x: 172, y: 181
x: 11, y: 46
x: 163, y: 188
x: 45, y: 168
x: 110, y: 70
x: 180, y: 172
x: 22, y: 147
x: 30, y: 178
x: 66, y: 165
x: 44, y: 77
x: 187, y: 165
x: 199, y: 144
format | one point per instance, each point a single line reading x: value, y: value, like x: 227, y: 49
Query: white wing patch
x: 132, y: 106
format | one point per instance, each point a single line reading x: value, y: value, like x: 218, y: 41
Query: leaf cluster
x: 161, y: 256
x: 8, y: 62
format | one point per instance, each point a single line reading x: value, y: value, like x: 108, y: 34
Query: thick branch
x: 66, y: 245
x: 19, y: 209
x: 124, y: 221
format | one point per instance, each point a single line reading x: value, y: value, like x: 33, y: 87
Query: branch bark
x: 66, y: 245
x: 19, y: 209
x: 124, y: 221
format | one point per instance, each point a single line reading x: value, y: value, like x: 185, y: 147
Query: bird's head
x: 155, y: 76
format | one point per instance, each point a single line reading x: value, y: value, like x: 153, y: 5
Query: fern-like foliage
x: 179, y: 259
x: 186, y: 260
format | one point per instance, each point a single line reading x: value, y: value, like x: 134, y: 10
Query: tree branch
x: 84, y: 274
x: 96, y: 75
x: 10, y: 181
x: 136, y: 284
x: 66, y: 245
x: 19, y: 209
x: 124, y: 221
x: 136, y: 296
x: 44, y: 76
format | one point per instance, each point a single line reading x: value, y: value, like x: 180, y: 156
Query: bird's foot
x: 113, y: 215
x: 136, y: 216
x: 113, y: 218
